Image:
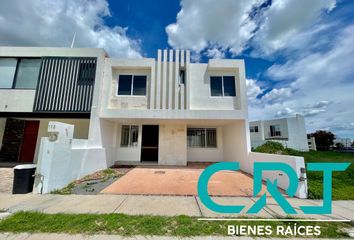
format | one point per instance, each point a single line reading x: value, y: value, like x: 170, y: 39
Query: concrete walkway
x: 156, y: 205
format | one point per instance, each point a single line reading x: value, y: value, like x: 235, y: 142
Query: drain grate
x: 159, y: 172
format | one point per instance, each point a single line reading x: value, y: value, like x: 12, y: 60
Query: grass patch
x: 126, y: 225
x: 342, y: 182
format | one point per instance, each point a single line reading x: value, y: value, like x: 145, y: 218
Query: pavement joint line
x: 268, y: 210
x: 200, y: 210
x: 119, y: 205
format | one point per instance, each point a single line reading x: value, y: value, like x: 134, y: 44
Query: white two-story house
x: 170, y: 111
x: 291, y: 132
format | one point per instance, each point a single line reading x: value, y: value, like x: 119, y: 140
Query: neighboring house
x: 311, y: 143
x: 347, y: 142
x: 290, y: 132
x: 38, y: 85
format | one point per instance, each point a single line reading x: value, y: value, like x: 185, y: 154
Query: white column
x: 176, y: 82
x: 158, y: 80
x: 164, y: 79
x: 170, y: 80
x: 187, y: 83
x: 152, y: 87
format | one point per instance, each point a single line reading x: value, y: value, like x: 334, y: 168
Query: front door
x: 29, y: 140
x: 150, y: 143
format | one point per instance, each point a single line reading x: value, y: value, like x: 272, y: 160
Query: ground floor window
x: 201, y: 137
x: 129, y: 137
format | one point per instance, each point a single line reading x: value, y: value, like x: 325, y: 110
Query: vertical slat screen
x: 65, y: 84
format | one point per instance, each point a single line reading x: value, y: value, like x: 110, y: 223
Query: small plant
x: 66, y: 190
x: 270, y: 147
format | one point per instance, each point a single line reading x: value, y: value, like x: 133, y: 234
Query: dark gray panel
x: 65, y: 84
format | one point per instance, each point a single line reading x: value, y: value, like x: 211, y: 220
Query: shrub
x: 270, y: 147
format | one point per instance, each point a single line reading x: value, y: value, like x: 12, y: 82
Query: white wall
x: 81, y: 128
x: 2, y: 129
x: 16, y: 100
x: 283, y: 181
x: 297, y: 134
x: 207, y: 154
x: 173, y: 144
x: 236, y: 145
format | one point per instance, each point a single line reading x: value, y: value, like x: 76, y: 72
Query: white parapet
x: 296, y: 163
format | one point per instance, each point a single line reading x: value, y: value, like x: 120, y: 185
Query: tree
x: 353, y: 144
x: 324, y: 139
x: 339, y: 145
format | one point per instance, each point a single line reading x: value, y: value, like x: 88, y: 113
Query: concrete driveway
x: 181, y: 182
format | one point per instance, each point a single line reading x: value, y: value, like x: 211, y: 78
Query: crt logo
x: 259, y: 167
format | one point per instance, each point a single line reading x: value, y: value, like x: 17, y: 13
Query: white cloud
x: 200, y: 24
x: 215, y: 53
x: 54, y: 22
x: 253, y: 90
x: 228, y: 24
x: 283, y: 23
x: 319, y: 75
x: 277, y: 95
x: 285, y: 112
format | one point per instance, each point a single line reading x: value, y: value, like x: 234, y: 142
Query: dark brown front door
x: 29, y: 140
x: 150, y: 143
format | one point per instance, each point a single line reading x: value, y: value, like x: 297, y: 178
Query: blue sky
x: 298, y: 53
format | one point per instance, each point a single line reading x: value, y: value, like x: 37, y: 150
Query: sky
x: 299, y: 54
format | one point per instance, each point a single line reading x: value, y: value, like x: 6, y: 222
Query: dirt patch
x: 94, y: 183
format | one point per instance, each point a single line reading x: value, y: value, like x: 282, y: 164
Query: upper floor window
x: 275, y: 130
x: 201, y: 137
x: 253, y: 128
x: 182, y: 76
x: 222, y: 86
x: 87, y: 73
x: 20, y: 73
x: 132, y: 85
x: 7, y: 72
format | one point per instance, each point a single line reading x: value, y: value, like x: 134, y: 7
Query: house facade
x: 39, y: 85
x: 291, y: 132
x: 170, y: 111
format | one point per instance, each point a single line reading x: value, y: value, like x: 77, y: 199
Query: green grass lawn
x: 126, y: 225
x: 343, y: 182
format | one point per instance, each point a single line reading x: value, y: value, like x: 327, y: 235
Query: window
x: 132, y: 85
x: 201, y: 137
x: 7, y: 72
x: 222, y: 86
x: 86, y: 73
x: 275, y: 130
x: 253, y: 128
x: 27, y: 73
x: 19, y: 72
x: 182, y: 79
x: 129, y: 136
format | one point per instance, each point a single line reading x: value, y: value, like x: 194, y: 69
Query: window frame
x: 277, y: 133
x: 130, y: 143
x: 131, y: 85
x: 205, y: 129
x: 14, y: 80
x: 222, y: 86
x: 254, y: 129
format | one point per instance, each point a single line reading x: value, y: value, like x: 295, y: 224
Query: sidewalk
x: 157, y: 205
